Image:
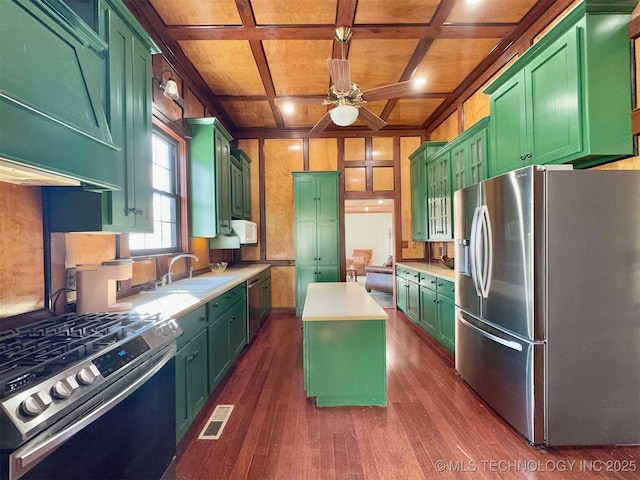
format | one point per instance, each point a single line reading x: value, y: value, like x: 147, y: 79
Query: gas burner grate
x: 33, y: 352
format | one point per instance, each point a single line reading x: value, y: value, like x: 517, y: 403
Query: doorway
x: 368, y: 225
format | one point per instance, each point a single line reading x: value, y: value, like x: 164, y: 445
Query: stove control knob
x: 35, y: 404
x: 87, y: 375
x: 64, y: 388
x: 168, y: 328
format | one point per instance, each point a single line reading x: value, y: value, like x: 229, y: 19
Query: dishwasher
x: 253, y: 306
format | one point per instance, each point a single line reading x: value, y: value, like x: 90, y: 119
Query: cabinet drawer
x: 217, y: 307
x: 446, y: 288
x: 236, y: 294
x: 428, y: 281
x: 191, y: 324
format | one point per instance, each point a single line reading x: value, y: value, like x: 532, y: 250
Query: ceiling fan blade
x: 393, y: 90
x: 323, y: 123
x: 340, y: 72
x: 317, y: 100
x: 370, y: 119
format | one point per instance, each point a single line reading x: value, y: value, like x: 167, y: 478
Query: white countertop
x: 340, y: 301
x: 432, y: 269
x: 179, y: 304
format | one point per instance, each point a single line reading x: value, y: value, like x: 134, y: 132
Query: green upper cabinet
x: 316, y: 195
x: 128, y: 102
x: 237, y: 198
x: 469, y: 155
x: 418, y: 170
x: 557, y: 104
x: 241, y: 186
x: 51, y: 114
x: 210, y: 181
x: 439, y: 196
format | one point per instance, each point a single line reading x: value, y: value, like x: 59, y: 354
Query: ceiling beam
x: 324, y: 32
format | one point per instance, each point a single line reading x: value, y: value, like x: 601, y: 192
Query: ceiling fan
x: 347, y: 97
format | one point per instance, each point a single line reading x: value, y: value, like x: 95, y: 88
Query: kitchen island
x: 344, y: 346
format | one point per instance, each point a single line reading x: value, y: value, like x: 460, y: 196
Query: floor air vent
x: 214, y: 426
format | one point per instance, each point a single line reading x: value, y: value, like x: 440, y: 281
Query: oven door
x: 125, y: 432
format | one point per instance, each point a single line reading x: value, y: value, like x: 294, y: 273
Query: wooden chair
x: 360, y: 258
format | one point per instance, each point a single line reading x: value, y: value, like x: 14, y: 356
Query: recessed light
x: 419, y: 82
x: 288, y: 108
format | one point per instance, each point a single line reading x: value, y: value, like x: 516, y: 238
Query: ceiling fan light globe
x: 344, y: 115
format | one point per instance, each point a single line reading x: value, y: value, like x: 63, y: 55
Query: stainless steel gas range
x: 88, y: 394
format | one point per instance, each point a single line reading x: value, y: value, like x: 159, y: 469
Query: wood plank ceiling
x: 250, y: 52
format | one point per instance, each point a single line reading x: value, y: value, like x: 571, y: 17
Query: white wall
x: 369, y: 230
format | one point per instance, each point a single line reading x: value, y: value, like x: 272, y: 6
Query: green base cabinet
x: 192, y: 385
x: 557, y: 104
x: 210, y: 181
x: 317, y: 230
x: 432, y: 305
x: 227, y: 332
x: 345, y: 362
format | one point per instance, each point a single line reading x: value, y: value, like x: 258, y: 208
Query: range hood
x: 223, y: 242
x: 53, y: 125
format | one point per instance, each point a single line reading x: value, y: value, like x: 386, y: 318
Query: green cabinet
x: 418, y: 171
x: 557, y: 104
x: 317, y: 230
x: 437, y: 309
x: 237, y: 198
x: 429, y: 302
x: 52, y: 117
x: 227, y: 331
x: 241, y: 187
x: 440, y: 197
x: 469, y: 155
x: 210, y: 181
x: 192, y: 387
x: 128, y: 101
x: 407, y: 294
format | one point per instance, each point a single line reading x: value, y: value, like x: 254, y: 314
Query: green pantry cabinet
x: 568, y: 97
x: 128, y: 99
x: 317, y: 230
x: 429, y: 302
x: 213, y: 337
x: 437, y: 170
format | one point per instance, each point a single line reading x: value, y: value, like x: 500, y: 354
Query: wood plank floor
x: 433, y: 427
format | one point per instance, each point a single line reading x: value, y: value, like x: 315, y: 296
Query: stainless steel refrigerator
x: 548, y: 302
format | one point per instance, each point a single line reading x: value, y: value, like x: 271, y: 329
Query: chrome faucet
x: 168, y: 278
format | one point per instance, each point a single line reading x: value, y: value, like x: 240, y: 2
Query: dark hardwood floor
x: 434, y: 426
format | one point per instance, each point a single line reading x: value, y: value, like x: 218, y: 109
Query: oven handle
x: 26, y: 457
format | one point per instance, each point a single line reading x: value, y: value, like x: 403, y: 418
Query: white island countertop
x: 328, y: 301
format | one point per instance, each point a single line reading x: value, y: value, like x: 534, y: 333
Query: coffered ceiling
x: 252, y: 55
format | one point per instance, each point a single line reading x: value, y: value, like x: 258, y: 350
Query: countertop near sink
x: 177, y: 304
x: 432, y: 269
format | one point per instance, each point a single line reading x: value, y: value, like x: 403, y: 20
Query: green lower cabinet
x: 192, y: 390
x: 429, y: 311
x: 345, y: 362
x: 429, y: 302
x: 446, y: 322
x: 237, y: 328
x: 219, y: 351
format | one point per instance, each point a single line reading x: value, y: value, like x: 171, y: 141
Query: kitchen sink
x: 191, y: 285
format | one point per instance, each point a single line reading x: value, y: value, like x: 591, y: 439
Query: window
x: 166, y: 201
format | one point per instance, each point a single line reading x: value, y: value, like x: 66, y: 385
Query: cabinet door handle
x: 528, y: 155
x: 135, y: 211
x: 202, y: 319
x: 522, y: 157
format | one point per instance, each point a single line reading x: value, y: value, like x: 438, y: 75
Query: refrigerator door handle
x: 486, y: 266
x: 474, y: 250
x: 507, y: 343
